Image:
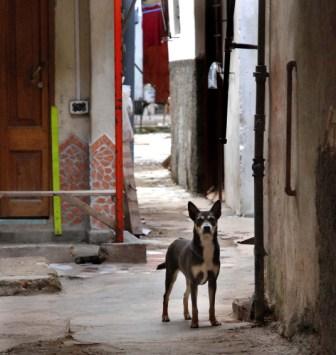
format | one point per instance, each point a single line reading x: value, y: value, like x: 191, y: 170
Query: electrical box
x: 79, y: 107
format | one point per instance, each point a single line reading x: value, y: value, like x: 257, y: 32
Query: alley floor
x: 116, y: 308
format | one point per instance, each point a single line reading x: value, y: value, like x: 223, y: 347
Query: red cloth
x: 152, y: 25
x: 156, y: 71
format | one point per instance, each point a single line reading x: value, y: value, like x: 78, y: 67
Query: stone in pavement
x: 26, y: 276
x: 125, y: 252
x: 242, y: 309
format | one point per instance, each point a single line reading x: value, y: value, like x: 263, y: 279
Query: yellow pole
x: 57, y: 208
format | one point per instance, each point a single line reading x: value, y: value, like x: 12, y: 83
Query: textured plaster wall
x: 241, y: 108
x: 301, y: 248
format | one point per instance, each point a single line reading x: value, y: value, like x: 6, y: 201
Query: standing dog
x: 198, y: 260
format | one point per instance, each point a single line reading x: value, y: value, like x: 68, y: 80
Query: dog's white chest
x: 207, y: 265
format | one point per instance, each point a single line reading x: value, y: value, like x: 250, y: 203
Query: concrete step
x: 128, y: 252
x: 54, y: 253
x: 28, y: 235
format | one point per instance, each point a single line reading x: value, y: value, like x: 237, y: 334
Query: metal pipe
x: 235, y: 45
x: 258, y: 168
x: 128, y: 16
x: 218, y: 57
x: 119, y: 176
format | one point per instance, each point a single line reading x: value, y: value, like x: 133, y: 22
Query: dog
x: 198, y: 260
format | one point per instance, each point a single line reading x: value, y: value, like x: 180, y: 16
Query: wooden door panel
x: 25, y: 49
x: 24, y: 105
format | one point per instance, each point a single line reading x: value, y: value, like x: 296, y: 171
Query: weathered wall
x: 241, y: 107
x: 300, y: 269
x: 184, y: 112
x: 186, y: 67
x: 325, y: 204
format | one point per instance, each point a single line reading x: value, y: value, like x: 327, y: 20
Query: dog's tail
x: 161, y: 266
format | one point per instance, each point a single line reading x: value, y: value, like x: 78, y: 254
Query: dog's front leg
x: 212, y: 287
x: 185, y: 301
x: 194, y: 319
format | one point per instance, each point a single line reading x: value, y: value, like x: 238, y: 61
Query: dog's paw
x: 187, y: 316
x: 165, y: 318
x: 215, y: 323
x: 194, y: 325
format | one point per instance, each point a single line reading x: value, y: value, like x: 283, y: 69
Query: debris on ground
x: 27, y: 276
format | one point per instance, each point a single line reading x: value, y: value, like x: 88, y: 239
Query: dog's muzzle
x: 207, y: 229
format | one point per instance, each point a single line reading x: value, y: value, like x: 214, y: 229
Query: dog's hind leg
x: 170, y: 280
x: 185, y: 301
x: 212, y: 286
x: 194, y: 319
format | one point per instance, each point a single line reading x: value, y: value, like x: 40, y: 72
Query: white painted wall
x: 241, y: 108
x: 182, y: 46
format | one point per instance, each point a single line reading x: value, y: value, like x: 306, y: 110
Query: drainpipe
x: 258, y: 168
x: 119, y: 177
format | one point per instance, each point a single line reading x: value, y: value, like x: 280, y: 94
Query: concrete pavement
x: 116, y: 308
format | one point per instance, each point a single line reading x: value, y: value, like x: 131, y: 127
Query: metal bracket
x: 288, y: 189
x: 243, y: 46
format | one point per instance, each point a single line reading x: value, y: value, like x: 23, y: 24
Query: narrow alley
x: 116, y: 308
x: 114, y: 116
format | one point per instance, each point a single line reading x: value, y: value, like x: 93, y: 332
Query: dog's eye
x: 212, y: 219
x: 200, y: 219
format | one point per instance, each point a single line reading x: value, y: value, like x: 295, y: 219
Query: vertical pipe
x: 118, y: 121
x: 218, y: 57
x: 258, y: 168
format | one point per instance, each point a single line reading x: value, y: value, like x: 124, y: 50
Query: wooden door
x: 24, y: 105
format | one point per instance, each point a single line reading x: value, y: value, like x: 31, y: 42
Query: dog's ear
x: 193, y: 210
x: 216, y: 209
